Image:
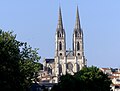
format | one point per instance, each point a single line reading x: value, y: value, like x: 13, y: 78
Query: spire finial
x: 60, y: 25
x: 77, y: 24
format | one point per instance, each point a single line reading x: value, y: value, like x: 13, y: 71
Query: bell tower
x: 78, y: 49
x: 60, y: 47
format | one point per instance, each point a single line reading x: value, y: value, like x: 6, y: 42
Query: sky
x: 35, y: 22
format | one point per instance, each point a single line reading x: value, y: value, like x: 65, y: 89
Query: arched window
x: 49, y: 71
x: 70, y: 66
x: 75, y: 33
x: 78, y: 35
x: 60, y: 69
x: 60, y: 46
x: 78, y: 46
x: 78, y: 67
x: 58, y: 34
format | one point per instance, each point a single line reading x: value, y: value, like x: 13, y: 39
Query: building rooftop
x: 49, y: 60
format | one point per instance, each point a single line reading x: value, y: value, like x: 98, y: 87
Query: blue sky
x: 35, y: 22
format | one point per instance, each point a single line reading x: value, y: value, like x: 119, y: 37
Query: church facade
x: 66, y: 61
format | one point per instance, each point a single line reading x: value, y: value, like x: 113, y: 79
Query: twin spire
x: 60, y: 24
x: 77, y: 24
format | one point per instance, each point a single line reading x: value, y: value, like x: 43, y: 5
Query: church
x: 66, y: 61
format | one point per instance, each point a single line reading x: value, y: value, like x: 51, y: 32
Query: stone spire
x: 77, y: 24
x: 60, y: 25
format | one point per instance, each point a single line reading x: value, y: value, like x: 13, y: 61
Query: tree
x: 29, y: 65
x: 67, y: 83
x: 93, y: 79
x: 87, y: 79
x: 18, y: 63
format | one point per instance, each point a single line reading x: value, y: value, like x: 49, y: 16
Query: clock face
x: 70, y: 66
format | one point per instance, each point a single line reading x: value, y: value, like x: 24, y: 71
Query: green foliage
x: 87, y: 79
x: 93, y: 79
x: 18, y: 63
x: 65, y: 84
x: 29, y: 65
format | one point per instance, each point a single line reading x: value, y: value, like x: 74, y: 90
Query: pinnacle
x: 60, y: 25
x: 77, y: 24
